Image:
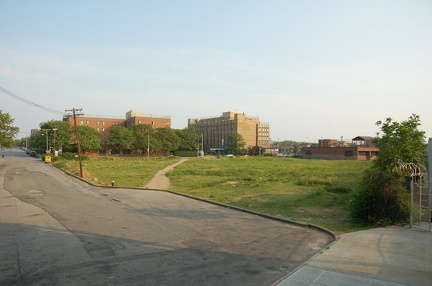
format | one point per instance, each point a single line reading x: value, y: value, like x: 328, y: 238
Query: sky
x: 311, y: 69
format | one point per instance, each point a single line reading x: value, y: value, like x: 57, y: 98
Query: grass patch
x: 124, y: 171
x: 310, y: 191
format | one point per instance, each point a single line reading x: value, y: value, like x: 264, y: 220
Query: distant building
x: 360, y: 149
x: 215, y: 130
x: 104, y: 124
x: 328, y: 143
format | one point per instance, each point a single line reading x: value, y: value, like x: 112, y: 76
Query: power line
x: 13, y: 95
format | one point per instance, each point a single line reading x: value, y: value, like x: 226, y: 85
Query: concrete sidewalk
x: 382, y: 256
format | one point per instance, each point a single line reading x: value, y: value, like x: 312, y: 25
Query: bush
x: 186, y: 153
x: 381, y: 199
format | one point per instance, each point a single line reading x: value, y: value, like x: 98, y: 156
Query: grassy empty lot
x: 313, y: 191
x: 124, y: 171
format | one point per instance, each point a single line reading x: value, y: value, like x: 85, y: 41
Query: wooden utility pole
x: 75, y: 114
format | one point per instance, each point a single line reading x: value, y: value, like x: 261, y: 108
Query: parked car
x: 33, y: 154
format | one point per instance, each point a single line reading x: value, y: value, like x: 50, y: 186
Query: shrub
x: 381, y: 199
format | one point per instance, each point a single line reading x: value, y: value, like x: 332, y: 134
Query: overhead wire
x: 13, y: 95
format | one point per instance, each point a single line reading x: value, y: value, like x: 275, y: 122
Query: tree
x: 143, y: 136
x: 235, y: 144
x: 62, y: 130
x: 7, y: 131
x: 382, y: 198
x: 296, y: 148
x: 38, y: 142
x: 400, y: 142
x: 90, y: 138
x: 121, y: 138
x: 188, y: 139
x: 255, y: 150
x: 166, y: 139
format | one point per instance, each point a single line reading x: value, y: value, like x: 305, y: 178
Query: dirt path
x: 160, y: 181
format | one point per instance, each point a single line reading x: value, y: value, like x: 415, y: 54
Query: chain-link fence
x: 420, y: 216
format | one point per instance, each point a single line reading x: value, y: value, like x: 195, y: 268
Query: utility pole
x: 75, y: 114
x: 148, y: 143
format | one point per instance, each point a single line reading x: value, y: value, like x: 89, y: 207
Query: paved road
x: 57, y: 230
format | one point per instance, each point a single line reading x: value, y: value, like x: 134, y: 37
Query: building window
x: 81, y: 122
x: 103, y: 122
x: 97, y: 122
x: 349, y: 153
x: 308, y: 152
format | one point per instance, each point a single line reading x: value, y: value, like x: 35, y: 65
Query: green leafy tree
x: 38, y: 142
x: 143, y: 136
x: 90, y: 138
x: 188, y: 139
x: 235, y: 144
x: 255, y: 151
x: 121, y: 138
x: 20, y: 142
x: 383, y: 198
x: 7, y: 131
x: 296, y: 148
x: 400, y: 142
x: 61, y: 130
x: 166, y: 139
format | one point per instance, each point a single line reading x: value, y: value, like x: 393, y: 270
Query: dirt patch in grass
x: 231, y: 183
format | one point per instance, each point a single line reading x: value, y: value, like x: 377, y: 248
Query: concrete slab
x: 382, y: 256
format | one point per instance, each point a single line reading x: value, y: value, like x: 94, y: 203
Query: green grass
x: 124, y: 171
x: 310, y: 191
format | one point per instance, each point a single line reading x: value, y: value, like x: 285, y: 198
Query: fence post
x: 429, y: 167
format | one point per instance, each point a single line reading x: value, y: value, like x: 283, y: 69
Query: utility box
x: 47, y: 159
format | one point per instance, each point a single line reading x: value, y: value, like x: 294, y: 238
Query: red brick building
x: 104, y: 124
x: 361, y: 149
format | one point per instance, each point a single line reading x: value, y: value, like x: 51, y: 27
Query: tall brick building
x: 215, y: 131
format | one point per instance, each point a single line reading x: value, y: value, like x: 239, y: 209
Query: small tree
x: 400, y: 142
x: 254, y: 151
x: 90, y: 138
x: 383, y: 199
x: 188, y: 139
x: 7, y: 131
x: 121, y: 138
x: 296, y: 148
x: 235, y: 143
x: 166, y: 139
x: 63, y: 132
x: 143, y: 136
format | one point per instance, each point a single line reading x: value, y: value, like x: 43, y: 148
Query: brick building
x: 104, y: 124
x: 215, y: 131
x: 360, y: 149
